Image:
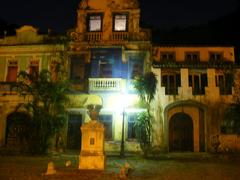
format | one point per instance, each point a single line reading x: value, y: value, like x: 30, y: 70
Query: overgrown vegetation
x: 146, y: 88
x: 47, y: 91
x: 231, y: 122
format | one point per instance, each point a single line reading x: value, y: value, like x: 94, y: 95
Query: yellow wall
x: 228, y: 52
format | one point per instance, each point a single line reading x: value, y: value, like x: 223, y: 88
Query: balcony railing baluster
x: 105, y: 84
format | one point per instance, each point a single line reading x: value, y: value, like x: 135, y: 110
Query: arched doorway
x: 180, y: 133
x: 17, y: 130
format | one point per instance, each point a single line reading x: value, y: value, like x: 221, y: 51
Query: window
x: 120, y: 22
x: 34, y: 69
x: 12, y: 71
x: 135, y: 67
x: 167, y: 56
x: 192, y: 56
x: 198, y: 82
x: 107, y: 122
x: 132, y: 118
x: 77, y: 69
x: 171, y: 82
x: 105, y: 69
x: 215, y: 56
x: 225, y: 82
x: 95, y: 22
x: 54, y: 68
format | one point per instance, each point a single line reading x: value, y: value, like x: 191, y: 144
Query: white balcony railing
x: 105, y: 84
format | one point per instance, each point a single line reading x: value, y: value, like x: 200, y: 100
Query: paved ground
x: 165, y: 167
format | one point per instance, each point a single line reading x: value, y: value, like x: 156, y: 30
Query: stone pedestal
x: 92, y: 153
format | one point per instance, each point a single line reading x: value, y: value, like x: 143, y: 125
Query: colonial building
x: 107, y: 50
x: 195, y: 85
x: 27, y: 51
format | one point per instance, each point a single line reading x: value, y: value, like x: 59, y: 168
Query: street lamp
x: 124, y: 101
x: 122, y: 153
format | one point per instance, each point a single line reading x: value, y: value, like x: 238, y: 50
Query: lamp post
x: 124, y: 102
x: 122, y: 153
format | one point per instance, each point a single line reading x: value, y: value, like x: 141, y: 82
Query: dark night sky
x: 60, y: 15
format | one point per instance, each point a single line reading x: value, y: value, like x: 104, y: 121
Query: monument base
x: 92, y: 162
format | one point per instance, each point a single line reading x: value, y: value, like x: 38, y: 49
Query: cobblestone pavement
x: 165, y: 167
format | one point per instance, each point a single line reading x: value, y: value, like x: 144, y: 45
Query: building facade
x: 107, y: 49
x: 195, y: 85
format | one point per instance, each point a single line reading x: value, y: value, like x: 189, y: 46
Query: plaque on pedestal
x: 92, y: 153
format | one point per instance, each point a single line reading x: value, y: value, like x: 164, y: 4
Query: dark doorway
x: 180, y: 133
x: 74, y: 132
x: 17, y: 130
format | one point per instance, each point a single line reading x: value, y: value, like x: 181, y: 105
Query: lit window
x: 120, y: 22
x: 95, y: 22
x: 107, y: 122
x: 12, y: 71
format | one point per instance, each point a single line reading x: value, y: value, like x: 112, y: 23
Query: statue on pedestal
x: 92, y: 154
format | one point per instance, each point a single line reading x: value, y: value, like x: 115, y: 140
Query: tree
x: 47, y: 106
x: 145, y: 86
x: 231, y: 123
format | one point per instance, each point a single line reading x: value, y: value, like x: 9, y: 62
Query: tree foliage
x: 231, y: 119
x: 47, y: 105
x: 146, y: 88
x: 231, y: 122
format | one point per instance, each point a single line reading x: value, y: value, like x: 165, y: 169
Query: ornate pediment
x: 27, y: 28
x: 113, y: 4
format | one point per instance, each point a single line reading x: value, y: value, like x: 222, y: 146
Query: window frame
x: 135, y: 116
x: 213, y: 56
x: 72, y: 65
x: 201, y: 85
x: 166, y: 55
x: 114, y: 22
x: 171, y: 88
x: 135, y: 68
x: 32, y: 64
x: 224, y: 89
x: 192, y: 54
x: 104, y: 121
x: 12, y: 63
x: 101, y: 64
x: 89, y: 21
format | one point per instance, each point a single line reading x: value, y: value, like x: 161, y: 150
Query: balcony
x: 7, y: 88
x: 94, y: 36
x: 120, y: 36
x: 105, y: 84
